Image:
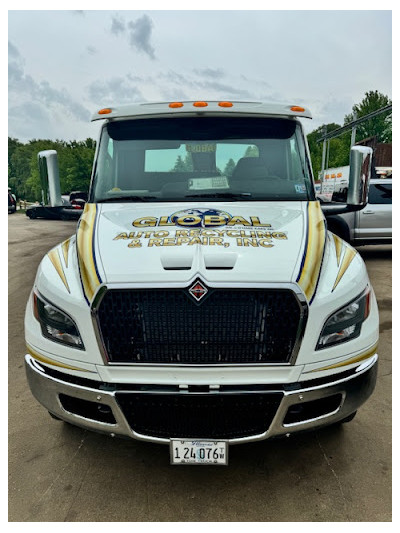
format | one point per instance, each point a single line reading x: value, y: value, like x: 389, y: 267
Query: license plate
x: 198, y: 452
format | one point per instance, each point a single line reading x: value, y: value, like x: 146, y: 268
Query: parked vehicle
x: 338, y: 179
x: 78, y: 198
x: 371, y: 225
x: 66, y: 211
x: 199, y: 309
x: 12, y: 203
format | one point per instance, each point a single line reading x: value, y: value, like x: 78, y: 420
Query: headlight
x: 345, y: 324
x: 56, y: 325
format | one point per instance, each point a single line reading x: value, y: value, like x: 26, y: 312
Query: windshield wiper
x: 228, y: 195
x: 126, y: 199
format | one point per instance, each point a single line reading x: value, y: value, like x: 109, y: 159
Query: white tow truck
x: 202, y: 302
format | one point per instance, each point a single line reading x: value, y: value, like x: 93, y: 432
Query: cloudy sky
x: 64, y: 65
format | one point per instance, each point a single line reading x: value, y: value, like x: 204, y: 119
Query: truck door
x: 375, y: 220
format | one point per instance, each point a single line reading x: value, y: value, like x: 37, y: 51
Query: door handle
x: 369, y: 212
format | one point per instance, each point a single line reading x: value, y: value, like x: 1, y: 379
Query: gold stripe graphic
x: 338, y: 247
x: 65, y: 249
x: 87, y: 268
x: 356, y: 359
x: 348, y: 257
x: 48, y: 361
x: 315, y: 250
x: 55, y: 258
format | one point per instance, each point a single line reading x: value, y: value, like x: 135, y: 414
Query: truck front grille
x: 229, y: 326
x: 209, y: 416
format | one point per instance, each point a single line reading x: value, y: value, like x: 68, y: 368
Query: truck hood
x: 227, y: 242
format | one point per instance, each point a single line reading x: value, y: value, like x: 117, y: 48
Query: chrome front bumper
x: 354, y: 386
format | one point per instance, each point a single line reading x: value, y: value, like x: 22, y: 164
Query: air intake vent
x: 211, y: 416
x: 182, y: 326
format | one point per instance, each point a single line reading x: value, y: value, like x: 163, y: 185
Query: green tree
x: 179, y: 165
x: 338, y: 148
x: 251, y: 151
x: 229, y: 167
x: 381, y: 125
x: 13, y: 180
x: 76, y: 160
x: 183, y: 164
x: 75, y: 164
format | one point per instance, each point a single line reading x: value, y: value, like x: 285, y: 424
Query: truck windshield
x: 193, y: 158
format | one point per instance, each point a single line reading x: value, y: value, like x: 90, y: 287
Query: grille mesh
x: 210, y: 416
x: 228, y: 326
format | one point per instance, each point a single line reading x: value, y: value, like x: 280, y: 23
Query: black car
x: 12, y: 204
x: 67, y: 211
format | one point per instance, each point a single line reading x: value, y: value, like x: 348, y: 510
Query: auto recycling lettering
x: 201, y: 228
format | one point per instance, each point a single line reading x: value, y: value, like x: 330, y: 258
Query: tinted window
x: 380, y: 193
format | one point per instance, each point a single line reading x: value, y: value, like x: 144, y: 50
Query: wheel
x: 31, y: 214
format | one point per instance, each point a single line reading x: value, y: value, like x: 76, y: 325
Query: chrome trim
x: 301, y: 300
x: 46, y: 390
x: 94, y: 316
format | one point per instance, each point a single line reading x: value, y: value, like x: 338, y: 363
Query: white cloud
x: 67, y: 63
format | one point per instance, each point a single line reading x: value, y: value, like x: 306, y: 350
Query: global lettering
x: 194, y: 220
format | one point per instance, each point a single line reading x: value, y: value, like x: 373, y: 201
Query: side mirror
x: 359, y: 178
x: 359, y: 175
x: 49, y: 178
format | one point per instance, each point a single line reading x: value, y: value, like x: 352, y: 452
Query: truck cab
x: 202, y: 301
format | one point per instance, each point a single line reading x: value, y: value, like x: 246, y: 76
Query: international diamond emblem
x: 198, y: 291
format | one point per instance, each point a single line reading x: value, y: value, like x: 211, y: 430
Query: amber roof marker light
x: 297, y: 109
x: 225, y: 104
x: 200, y: 104
x: 175, y: 105
x: 105, y: 111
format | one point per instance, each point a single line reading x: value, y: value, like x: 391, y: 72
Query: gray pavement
x: 62, y: 473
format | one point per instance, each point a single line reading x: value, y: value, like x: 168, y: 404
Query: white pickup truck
x: 202, y: 301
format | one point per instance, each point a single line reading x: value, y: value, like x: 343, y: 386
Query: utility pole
x: 353, y: 131
x: 327, y: 153
x: 324, y: 151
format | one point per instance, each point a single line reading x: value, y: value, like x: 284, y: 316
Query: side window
x: 105, y: 166
x: 380, y: 193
